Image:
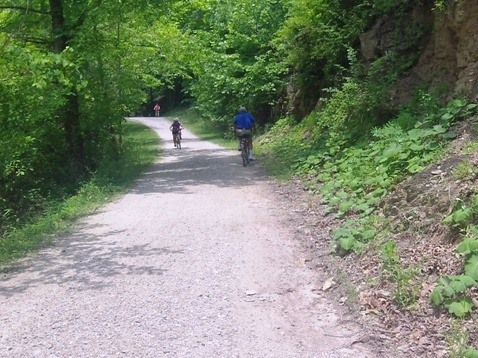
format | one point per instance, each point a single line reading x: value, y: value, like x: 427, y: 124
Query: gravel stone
x: 198, y: 259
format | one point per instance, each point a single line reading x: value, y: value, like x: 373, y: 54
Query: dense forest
x: 71, y: 71
x: 352, y: 96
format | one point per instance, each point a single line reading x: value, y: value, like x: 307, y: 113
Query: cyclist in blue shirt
x: 244, y: 121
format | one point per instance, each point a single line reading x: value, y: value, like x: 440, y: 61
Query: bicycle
x: 177, y: 140
x: 244, y: 136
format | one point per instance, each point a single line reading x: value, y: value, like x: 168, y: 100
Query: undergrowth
x: 352, y: 178
x: 111, y: 179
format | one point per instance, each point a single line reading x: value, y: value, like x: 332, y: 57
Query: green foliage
x: 452, y: 291
x: 464, y: 214
x: 464, y: 171
x: 237, y: 65
x: 441, y: 6
x: 352, y: 180
x: 63, y: 107
x: 457, y: 339
x: 405, y: 292
x: 114, y: 175
x: 352, y: 236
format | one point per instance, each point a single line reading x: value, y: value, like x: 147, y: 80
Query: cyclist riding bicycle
x: 243, y: 125
x: 176, y: 129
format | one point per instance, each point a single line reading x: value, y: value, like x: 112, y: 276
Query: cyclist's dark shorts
x: 243, y: 132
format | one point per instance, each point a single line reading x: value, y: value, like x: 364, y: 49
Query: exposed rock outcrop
x: 449, y: 60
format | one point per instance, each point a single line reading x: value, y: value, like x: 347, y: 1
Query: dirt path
x: 197, y: 260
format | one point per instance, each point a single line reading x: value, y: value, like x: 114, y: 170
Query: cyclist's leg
x: 251, y: 157
x: 238, y: 137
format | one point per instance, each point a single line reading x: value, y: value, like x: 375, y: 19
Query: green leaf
x: 362, y: 207
x: 467, y: 246
x: 460, y: 307
x: 436, y: 297
x: 392, y: 150
x: 344, y: 206
x: 439, y: 129
x: 470, y: 353
x: 450, y: 135
x: 447, y: 289
x: 416, y: 147
x: 347, y: 243
x: 471, y: 266
x: 458, y: 285
x: 447, y: 116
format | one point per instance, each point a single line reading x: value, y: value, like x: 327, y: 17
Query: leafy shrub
x: 405, y: 291
x: 452, y: 291
x: 354, y: 179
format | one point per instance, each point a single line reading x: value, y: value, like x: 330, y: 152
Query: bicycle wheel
x: 245, y: 152
x: 178, y: 142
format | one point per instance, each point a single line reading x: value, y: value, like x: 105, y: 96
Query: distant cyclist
x: 176, y: 129
x: 243, y: 123
x: 156, y: 109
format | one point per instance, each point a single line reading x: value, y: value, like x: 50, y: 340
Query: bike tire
x: 245, y: 153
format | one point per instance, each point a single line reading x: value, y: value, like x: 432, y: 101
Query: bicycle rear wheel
x: 245, y: 152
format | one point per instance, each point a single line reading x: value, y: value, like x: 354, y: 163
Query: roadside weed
x: 464, y: 171
x: 406, y: 291
x: 457, y: 341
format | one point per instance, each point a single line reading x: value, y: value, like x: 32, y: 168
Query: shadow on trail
x: 87, y: 262
x: 187, y: 167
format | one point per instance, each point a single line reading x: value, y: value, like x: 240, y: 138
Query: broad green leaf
x: 344, y: 206
x: 471, y: 266
x: 347, y: 243
x: 447, y: 116
x: 447, y: 289
x: 416, y: 147
x: 436, y: 297
x: 439, y: 129
x: 461, y: 215
x: 450, y: 135
x: 467, y: 246
x: 459, y: 307
x: 470, y: 353
x: 392, y: 150
x: 458, y: 286
x: 362, y: 207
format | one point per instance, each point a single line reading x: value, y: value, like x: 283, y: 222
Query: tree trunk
x: 71, y: 110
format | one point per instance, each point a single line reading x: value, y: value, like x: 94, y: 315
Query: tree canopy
x: 72, y: 70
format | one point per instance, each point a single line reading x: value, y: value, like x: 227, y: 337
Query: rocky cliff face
x: 449, y: 60
x: 452, y: 52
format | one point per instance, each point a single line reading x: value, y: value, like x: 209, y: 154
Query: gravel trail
x: 197, y: 260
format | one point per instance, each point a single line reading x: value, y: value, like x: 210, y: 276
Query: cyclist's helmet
x: 242, y: 109
x: 176, y: 120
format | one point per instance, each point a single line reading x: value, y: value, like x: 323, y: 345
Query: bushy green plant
x: 464, y: 214
x: 452, y: 291
x: 457, y: 339
x: 449, y: 292
x: 352, y: 236
x: 405, y: 291
x: 353, y: 179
